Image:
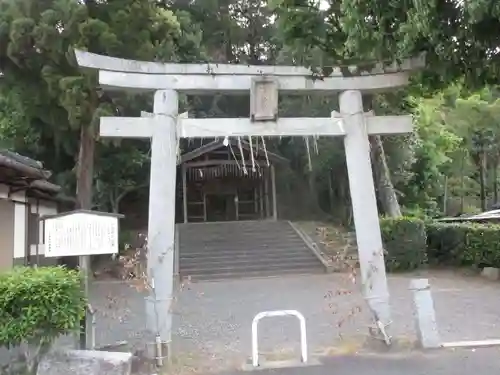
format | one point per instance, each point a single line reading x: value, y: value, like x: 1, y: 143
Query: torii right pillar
x: 364, y: 205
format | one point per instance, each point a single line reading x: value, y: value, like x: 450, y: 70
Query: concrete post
x: 424, y: 314
x: 364, y: 205
x: 161, y: 223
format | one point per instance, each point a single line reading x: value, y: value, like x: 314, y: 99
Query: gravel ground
x: 218, y: 328
x: 212, y: 320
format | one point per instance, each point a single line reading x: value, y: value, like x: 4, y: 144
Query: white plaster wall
x: 17, y: 197
x: 6, y: 234
x: 4, y: 191
x: 43, y: 208
x: 20, y: 212
x: 34, y: 209
x: 19, y: 219
x: 19, y: 230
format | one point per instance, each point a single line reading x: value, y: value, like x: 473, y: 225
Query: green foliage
x: 448, y: 165
x: 445, y: 242
x: 454, y: 151
x: 441, y: 159
x: 37, y: 305
x: 455, y: 35
x: 46, y: 100
x: 464, y: 244
x: 112, y: 184
x: 434, y: 143
x: 404, y: 241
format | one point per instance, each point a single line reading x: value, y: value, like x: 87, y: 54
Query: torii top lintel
x: 116, y: 73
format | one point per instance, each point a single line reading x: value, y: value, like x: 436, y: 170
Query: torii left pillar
x: 161, y: 223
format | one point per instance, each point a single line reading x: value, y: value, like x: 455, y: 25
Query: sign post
x: 81, y: 233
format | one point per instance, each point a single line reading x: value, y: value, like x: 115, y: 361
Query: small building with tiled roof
x: 25, y: 195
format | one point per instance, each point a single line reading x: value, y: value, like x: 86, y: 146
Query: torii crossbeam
x: 164, y: 127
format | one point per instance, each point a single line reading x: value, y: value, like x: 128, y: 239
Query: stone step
x: 248, y: 266
x: 283, y: 252
x: 270, y: 229
x: 243, y: 248
x: 240, y: 239
x: 243, y: 226
x: 218, y: 261
x: 239, y: 228
x: 254, y: 271
x: 236, y: 238
x: 254, y: 274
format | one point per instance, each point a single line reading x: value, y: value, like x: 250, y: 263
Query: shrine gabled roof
x: 215, y: 145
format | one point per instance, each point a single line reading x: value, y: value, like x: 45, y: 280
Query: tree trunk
x: 495, y: 181
x: 313, y: 193
x: 84, y: 179
x: 331, y: 194
x: 385, y: 188
x: 482, y: 180
x: 462, y: 185
x: 445, y: 196
x: 85, y: 168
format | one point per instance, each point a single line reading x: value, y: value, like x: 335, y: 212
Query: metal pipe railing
x: 268, y: 314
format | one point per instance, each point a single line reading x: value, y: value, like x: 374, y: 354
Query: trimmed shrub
x: 404, y: 242
x: 37, y: 305
x: 445, y: 241
x: 464, y: 244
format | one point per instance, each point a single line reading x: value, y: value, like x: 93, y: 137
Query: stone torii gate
x: 164, y: 127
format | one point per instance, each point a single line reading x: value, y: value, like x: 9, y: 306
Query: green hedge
x: 37, y: 305
x: 464, y: 244
x: 404, y: 242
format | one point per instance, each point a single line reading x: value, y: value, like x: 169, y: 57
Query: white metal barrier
x: 267, y: 314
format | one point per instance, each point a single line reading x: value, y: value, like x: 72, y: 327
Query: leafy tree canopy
x: 460, y: 38
x: 50, y: 108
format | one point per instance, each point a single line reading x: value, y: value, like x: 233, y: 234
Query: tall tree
x: 306, y: 26
x: 460, y: 38
x: 477, y: 121
x: 36, y: 43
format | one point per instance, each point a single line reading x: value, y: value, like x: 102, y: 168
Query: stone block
x: 491, y: 273
x: 85, y: 362
x: 424, y: 314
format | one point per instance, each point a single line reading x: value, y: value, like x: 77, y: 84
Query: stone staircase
x: 241, y: 249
